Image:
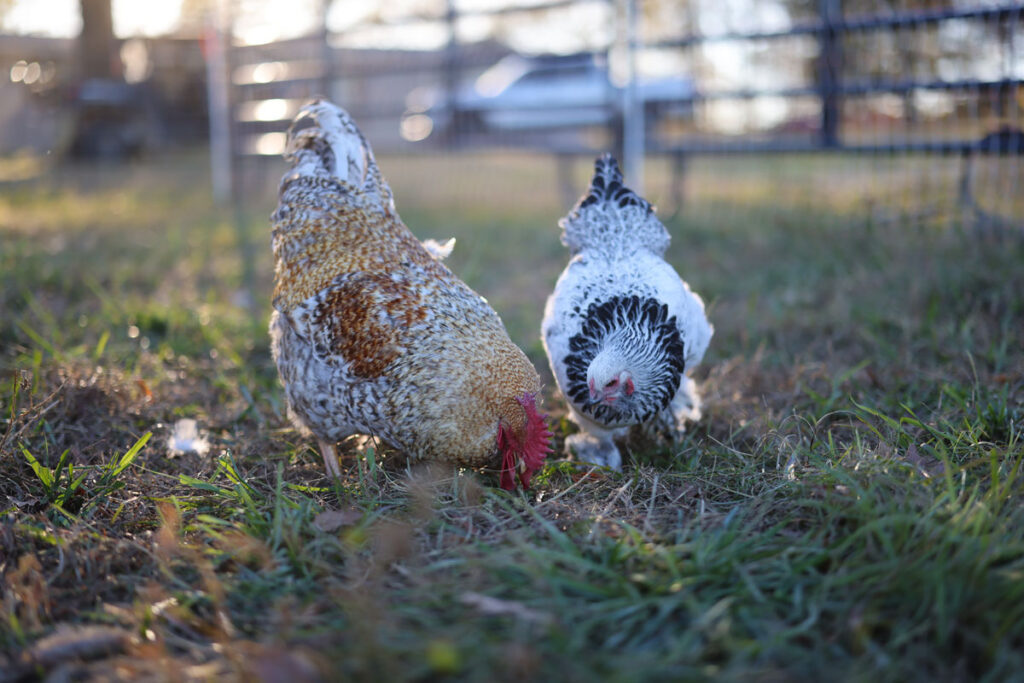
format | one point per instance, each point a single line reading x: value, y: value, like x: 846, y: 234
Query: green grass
x: 849, y: 508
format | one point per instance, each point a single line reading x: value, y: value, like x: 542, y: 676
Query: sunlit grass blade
x: 43, y: 473
x: 130, y: 455
x: 37, y: 338
x: 101, y: 345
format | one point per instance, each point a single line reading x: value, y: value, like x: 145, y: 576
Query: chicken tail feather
x: 324, y: 143
x: 607, y: 186
x: 610, y: 216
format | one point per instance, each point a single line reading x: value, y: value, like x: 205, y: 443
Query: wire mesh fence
x: 897, y: 110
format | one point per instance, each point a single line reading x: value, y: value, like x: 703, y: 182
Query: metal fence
x: 930, y: 93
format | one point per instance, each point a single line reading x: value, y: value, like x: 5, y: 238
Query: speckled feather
x: 371, y: 333
x: 618, y: 297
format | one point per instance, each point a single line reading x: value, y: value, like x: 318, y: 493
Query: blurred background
x: 921, y: 100
x: 906, y: 110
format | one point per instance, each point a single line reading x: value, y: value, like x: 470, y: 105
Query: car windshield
x: 574, y: 73
x: 501, y: 75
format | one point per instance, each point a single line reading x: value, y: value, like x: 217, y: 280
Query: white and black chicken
x: 621, y: 329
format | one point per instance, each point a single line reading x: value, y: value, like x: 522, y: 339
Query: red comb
x: 531, y: 452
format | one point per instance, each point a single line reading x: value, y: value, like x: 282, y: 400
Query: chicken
x: 621, y: 329
x: 373, y: 335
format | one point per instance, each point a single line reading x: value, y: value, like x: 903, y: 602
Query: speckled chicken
x: 621, y: 329
x: 372, y: 334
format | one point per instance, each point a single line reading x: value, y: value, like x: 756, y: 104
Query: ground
x: 850, y: 506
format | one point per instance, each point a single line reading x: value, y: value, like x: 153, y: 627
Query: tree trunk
x: 97, y: 50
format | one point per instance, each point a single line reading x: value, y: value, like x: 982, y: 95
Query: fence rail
x: 909, y: 18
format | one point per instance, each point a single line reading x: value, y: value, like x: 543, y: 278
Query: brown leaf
x: 332, y: 520
x: 78, y: 642
x: 166, y: 539
x: 29, y: 588
x: 927, y: 466
x: 912, y: 456
x: 146, y: 391
x: 485, y: 604
x: 274, y: 663
x: 593, y: 475
x: 246, y: 549
x: 392, y: 541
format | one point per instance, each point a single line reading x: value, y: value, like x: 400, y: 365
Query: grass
x: 849, y: 508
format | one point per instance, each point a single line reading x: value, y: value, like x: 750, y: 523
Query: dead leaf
x: 332, y: 520
x: 927, y: 466
x: 165, y: 542
x: 246, y: 549
x: 29, y: 588
x: 78, y: 642
x: 592, y: 475
x: 392, y: 542
x: 146, y: 391
x: 485, y: 604
x: 275, y: 663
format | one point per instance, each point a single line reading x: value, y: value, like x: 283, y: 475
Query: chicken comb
x: 607, y: 186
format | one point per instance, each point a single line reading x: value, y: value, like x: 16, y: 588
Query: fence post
x: 451, y: 70
x: 326, y: 53
x: 633, y: 108
x: 215, y: 43
x: 830, y: 70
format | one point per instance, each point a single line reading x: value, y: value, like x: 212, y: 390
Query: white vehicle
x: 530, y: 93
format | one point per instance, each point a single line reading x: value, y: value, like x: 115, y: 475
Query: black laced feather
x: 647, y: 335
x: 607, y: 186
